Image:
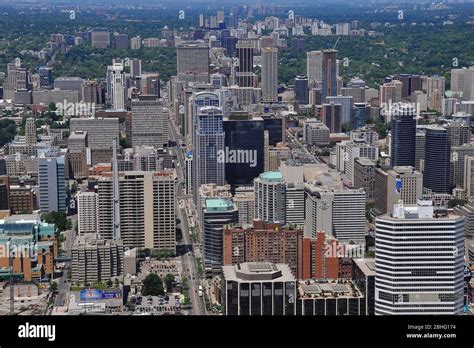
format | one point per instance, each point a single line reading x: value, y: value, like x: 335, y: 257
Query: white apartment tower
x: 419, y: 261
x: 270, y: 199
x: 87, y: 212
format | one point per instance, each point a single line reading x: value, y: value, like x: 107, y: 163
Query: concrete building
x: 340, y: 213
x: 294, y: 204
x: 147, y: 209
x: 100, y: 131
x: 364, y: 176
x: 100, y: 38
x: 95, y: 260
x: 315, y: 133
x: 314, y: 67
x: 244, y: 200
x: 87, y: 212
x: 405, y: 184
x: 270, y: 74
x: 149, y: 122
x: 193, y: 62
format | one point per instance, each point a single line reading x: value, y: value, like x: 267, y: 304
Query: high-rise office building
x: 270, y: 197
x: 417, y: 271
x: 51, y: 182
x: 329, y: 74
x: 411, y: 83
x: 100, y: 37
x: 270, y: 74
x: 437, y: 170
x: 360, y: 113
x: 87, y: 212
x: 245, y: 75
x: 244, y: 151
x: 301, y: 89
x: 314, y: 67
x: 403, y: 184
x: 135, y: 68
x: 403, y: 137
x: 146, y: 209
x: 100, y: 131
x: 118, y: 88
x: 46, y: 76
x: 259, y: 288
x: 193, y: 62
x: 149, y: 122
x: 340, y: 213
x: 208, y: 147
x: 331, y: 116
x: 217, y: 213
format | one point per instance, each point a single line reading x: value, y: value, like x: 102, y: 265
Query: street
x: 188, y: 258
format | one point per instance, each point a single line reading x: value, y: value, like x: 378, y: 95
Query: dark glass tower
x: 301, y: 89
x: 403, y: 140
x: 437, y: 171
x: 244, y: 137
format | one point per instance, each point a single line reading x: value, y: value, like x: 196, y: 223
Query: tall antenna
x: 116, y: 193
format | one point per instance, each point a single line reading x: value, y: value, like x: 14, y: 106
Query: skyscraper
x: 270, y: 74
x: 314, y: 66
x: 329, y: 74
x: 193, y: 62
x: 437, y: 170
x: 301, y: 89
x: 135, y: 68
x: 217, y: 213
x: 245, y: 74
x: 51, y: 182
x: 87, y: 212
x: 149, y: 122
x: 244, y: 141
x: 100, y: 37
x: 208, y: 143
x: 332, y: 117
x: 146, y: 206
x: 419, y: 261
x: 360, y: 113
x: 270, y: 197
x: 403, y: 139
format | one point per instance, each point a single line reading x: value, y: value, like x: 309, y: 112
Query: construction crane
x: 337, y: 41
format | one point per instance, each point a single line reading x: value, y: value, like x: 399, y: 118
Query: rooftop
x: 217, y: 204
x: 258, y: 271
x: 271, y: 176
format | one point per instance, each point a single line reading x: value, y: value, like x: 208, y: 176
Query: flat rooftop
x: 258, y: 271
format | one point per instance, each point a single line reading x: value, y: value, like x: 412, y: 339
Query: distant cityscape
x: 239, y: 160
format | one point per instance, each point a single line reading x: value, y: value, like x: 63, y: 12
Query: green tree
x: 169, y: 280
x: 7, y: 131
x: 54, y: 286
x: 109, y: 283
x: 58, y: 218
x: 152, y: 285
